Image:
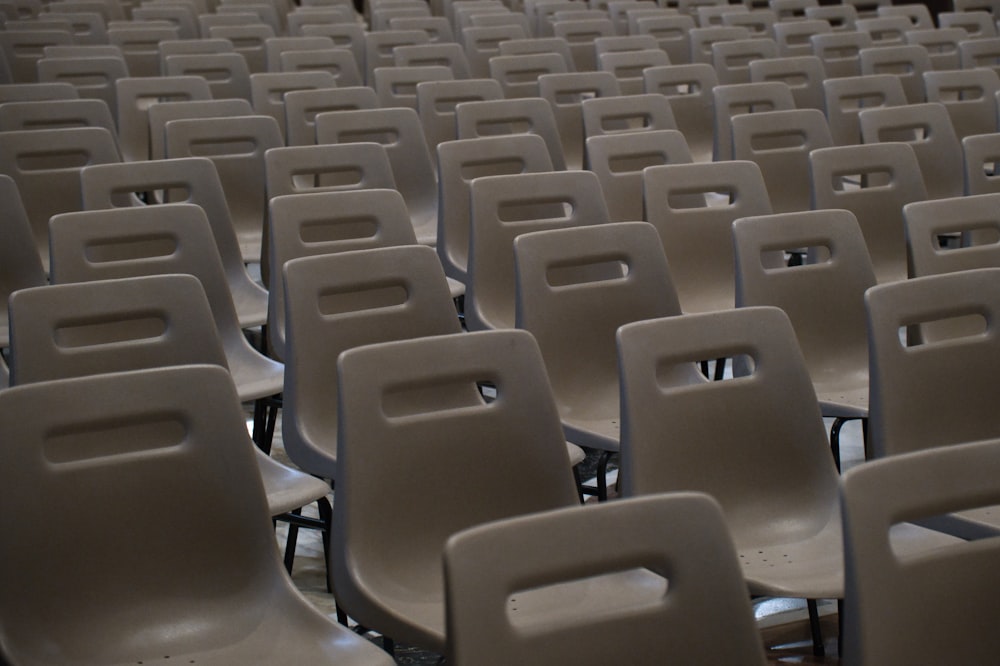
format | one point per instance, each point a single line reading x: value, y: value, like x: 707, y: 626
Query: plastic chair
x: 140, y: 45
x: 873, y: 181
x: 594, y: 619
x: 400, y: 132
x: 161, y: 113
x: 379, y: 46
x: 565, y: 93
x: 628, y: 66
x: 302, y: 107
x: 804, y: 75
x: 436, y: 101
x: 583, y: 283
x: 627, y: 113
x: 982, y: 152
x: 93, y: 77
x: 701, y: 40
x: 501, y: 459
x: 928, y: 130
x: 885, y: 30
x: 841, y: 52
x: 672, y: 35
x: 823, y: 298
x: 348, y: 36
x: 22, y: 49
x: 779, y: 142
x: 441, y: 54
x: 732, y: 59
x: 503, y: 208
x: 339, y: 62
x: 957, y: 581
x: 846, y: 96
x: 907, y: 62
x: 941, y: 45
x: 697, y: 237
x: 745, y: 98
x: 33, y: 92
x: 49, y: 180
x: 227, y: 73
x: 790, y: 11
x: 275, y: 46
x: 459, y: 162
x: 580, y: 35
x: 795, y: 38
x: 248, y: 40
x: 268, y: 90
x: 438, y: 28
x: 236, y: 146
x: 688, y: 88
x: 618, y: 160
x: 984, y: 52
x: 508, y: 117
x: 482, y: 43
x: 55, y: 114
x: 389, y: 293
x: 918, y: 14
x: 969, y: 95
x: 152, y: 483
x: 759, y: 21
x: 191, y: 180
x: 135, y: 95
x: 329, y: 14
x: 397, y: 86
x: 978, y: 24
x: 192, y: 46
x: 20, y: 263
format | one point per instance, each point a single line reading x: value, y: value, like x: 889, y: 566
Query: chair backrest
x: 697, y: 236
x: 969, y: 95
x: 397, y: 86
x: 145, y: 322
x: 982, y: 152
x: 873, y: 181
x: 958, y: 582
x: 350, y: 36
x: 504, y: 207
x: 683, y: 431
x: 928, y: 130
x: 518, y: 74
x: 327, y: 167
x: 31, y: 92
x: 379, y: 46
x: 627, y: 113
x: 441, y: 54
x: 335, y: 302
x: 163, y: 112
x: 918, y: 14
x: 275, y: 46
x: 794, y: 37
x: 907, y: 62
x: 459, y: 163
x: 436, y: 102
x: 22, y: 49
x: 983, y: 52
x: 302, y: 107
x: 673, y: 35
x: 804, y: 75
x: 842, y: 17
x: 978, y: 24
x: 140, y: 45
x: 227, y: 73
x: 49, y: 179
x: 161, y: 445
x: 20, y: 263
x: 780, y: 143
x: 248, y: 40
x: 136, y: 94
x: 565, y: 93
x: 703, y: 38
x: 885, y: 30
x: 688, y: 88
x: 913, y: 383
x: 580, y: 34
x: 492, y: 460
x: 745, y: 98
x: 618, y: 161
x: 511, y: 116
x: 841, y: 51
x: 824, y: 297
x: 941, y: 45
x: 846, y: 96
x: 187, y: 180
x: 691, y: 549
x: 193, y: 46
x: 732, y: 59
x: 482, y: 43
x: 400, y: 132
x: 574, y: 288
x: 93, y: 77
x: 304, y: 225
x: 54, y: 114
x: 268, y: 90
x: 339, y: 62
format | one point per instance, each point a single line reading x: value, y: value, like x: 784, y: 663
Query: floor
x: 783, y: 622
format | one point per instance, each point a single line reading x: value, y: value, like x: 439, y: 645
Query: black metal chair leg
x: 838, y: 423
x: 602, y: 476
x: 291, y: 542
x: 840, y: 628
x: 720, y: 369
x: 579, y: 485
x: 389, y: 645
x: 817, y: 634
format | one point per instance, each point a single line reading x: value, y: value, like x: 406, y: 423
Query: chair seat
x: 844, y: 399
x: 257, y: 377
x: 595, y: 433
x: 576, y: 454
x: 456, y: 287
x: 288, y: 488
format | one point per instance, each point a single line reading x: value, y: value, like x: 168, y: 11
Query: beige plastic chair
x: 268, y: 90
x: 136, y: 95
x: 441, y: 54
x: 339, y: 62
x: 397, y: 86
x: 163, y: 112
x: 302, y: 107
x: 275, y: 46
x: 93, y: 77
x: 618, y: 160
x: 503, y: 458
x: 508, y: 117
x: 907, y: 62
x: 982, y: 153
x: 804, y: 75
x: 248, y: 40
x: 788, y: 11
x: 581, y: 284
x: 779, y: 142
x: 672, y: 34
x: 350, y: 36
x: 956, y: 584
x: 233, y: 590
x: 732, y: 59
x: 697, y: 237
x: 22, y: 49
x: 436, y: 102
x: 918, y: 14
x: 941, y: 45
x: 846, y: 96
x: 984, y: 52
x: 701, y: 40
x: 823, y: 298
x: 459, y: 163
x: 978, y: 24
x: 336, y: 302
x: 628, y: 67
x: 20, y: 263
x: 400, y: 132
x: 566, y: 93
x: 518, y: 74
x: 327, y: 167
x: 34, y: 92
x: 841, y: 52
x: 885, y: 30
x: 193, y: 46
x: 438, y: 28
x: 928, y: 130
x: 969, y: 95
x: 503, y: 208
x: 190, y: 180
x: 759, y: 21
x: 379, y: 46
x: 236, y: 146
x: 227, y: 73
x: 627, y: 113
x: 795, y: 38
x: 599, y: 616
x: 580, y: 35
x: 688, y: 88
x: 55, y: 114
x: 46, y: 164
x: 873, y: 181
x: 744, y: 98
x: 482, y: 43
x: 179, y: 15
x: 140, y: 45
x: 328, y: 14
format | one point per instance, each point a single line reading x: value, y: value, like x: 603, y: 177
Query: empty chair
x: 928, y: 130
x: 701, y: 40
x: 841, y: 52
x: 397, y: 86
x: 885, y: 30
x: 682, y: 538
x: 325, y: 168
x: 918, y: 14
x: 779, y: 142
x: 399, y: 130
x: 842, y: 17
x: 983, y: 52
x: 275, y: 46
x: 688, y: 88
x: 957, y: 581
x: 339, y: 62
x: 583, y: 283
x: 482, y: 43
x: 732, y: 59
x: 161, y: 113
x: 227, y: 73
x: 248, y: 40
x: 328, y: 14
x: 619, y: 159
x: 135, y: 95
x: 94, y: 78
x: 436, y: 102
x: 566, y: 93
x: 268, y: 90
x: 302, y: 107
x: 180, y: 16
x: 697, y: 236
x: 580, y: 35
x: 49, y: 180
x: 978, y: 24
x: 759, y: 21
x: 847, y: 96
x: 187, y: 180
x: 22, y: 49
x: 504, y: 207
x: 31, y: 92
x: 140, y: 46
x: 379, y: 46
x: 20, y: 263
x: 941, y: 45
x: 236, y: 146
x: 53, y: 114
x: 969, y: 95
x: 193, y: 455
x: 628, y: 67
x: 794, y: 37
x: 873, y: 181
x: 824, y: 299
x: 627, y: 113
x: 350, y: 36
x: 438, y: 28
x: 744, y: 98
x: 443, y: 54
x: 804, y: 75
x: 518, y: 74
x: 459, y: 162
x: 672, y: 34
x: 982, y: 152
x: 511, y: 116
x: 789, y: 11
x: 908, y: 62
x: 193, y: 46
